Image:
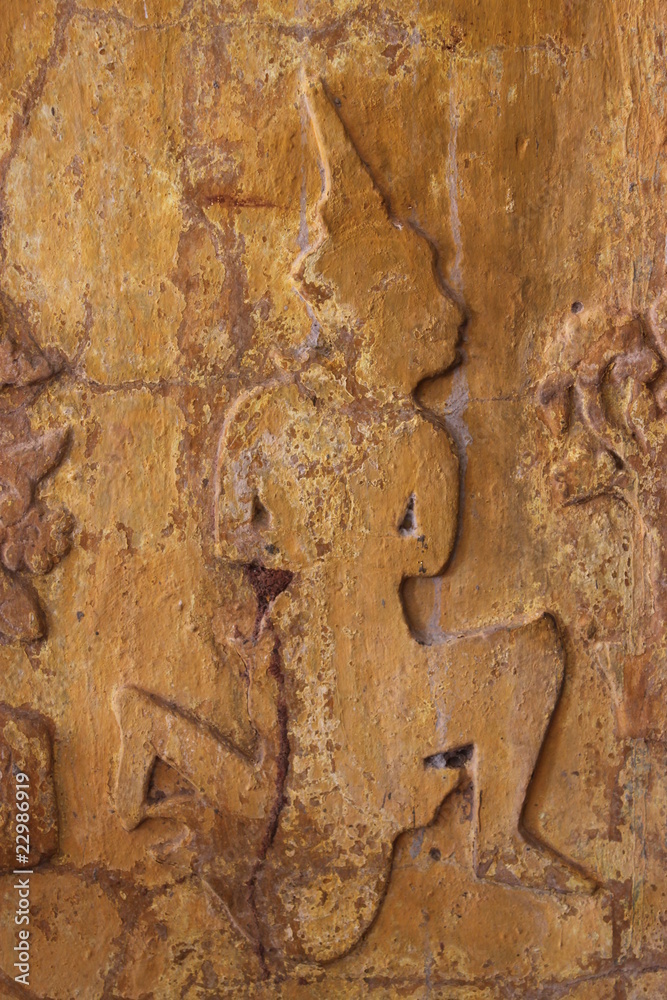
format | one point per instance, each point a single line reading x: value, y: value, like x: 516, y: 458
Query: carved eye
x: 408, y: 525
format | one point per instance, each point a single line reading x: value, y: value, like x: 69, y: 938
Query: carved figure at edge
x: 604, y: 402
x: 334, y: 486
x: 33, y: 537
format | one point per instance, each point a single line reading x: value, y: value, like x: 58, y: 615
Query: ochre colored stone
x: 333, y: 340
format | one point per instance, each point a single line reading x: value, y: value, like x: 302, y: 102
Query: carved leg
x: 137, y: 756
x: 502, y: 700
x: 228, y: 820
x: 220, y: 773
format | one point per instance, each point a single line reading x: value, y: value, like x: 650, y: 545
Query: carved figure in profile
x: 333, y: 487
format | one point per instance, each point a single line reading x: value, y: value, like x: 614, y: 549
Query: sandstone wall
x: 333, y: 621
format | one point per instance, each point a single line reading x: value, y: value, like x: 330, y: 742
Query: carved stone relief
x: 327, y: 499
x: 604, y: 402
x: 33, y: 537
x: 332, y: 355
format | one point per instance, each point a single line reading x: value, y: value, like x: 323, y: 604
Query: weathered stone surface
x: 333, y: 341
